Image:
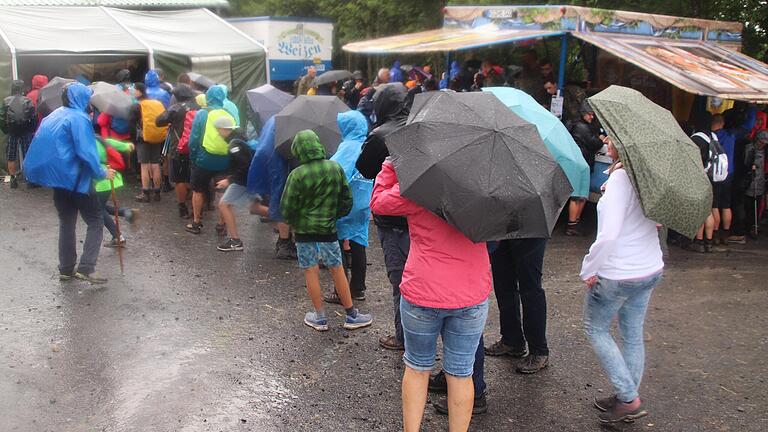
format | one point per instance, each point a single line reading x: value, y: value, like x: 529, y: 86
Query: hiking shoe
x: 696, y: 246
x: 623, y: 412
x: 143, y: 198
x: 358, y: 296
x: 480, y: 406
x: 318, y: 323
x: 500, y: 349
x: 708, y: 246
x: 194, y: 227
x: 332, y: 298
x: 606, y: 403
x: 14, y: 182
x: 357, y: 320
x: 572, y: 231
x: 437, y: 383
x: 532, y: 364
x: 115, y: 243
x: 231, y: 245
x: 284, y: 249
x: 65, y: 277
x: 183, y: 211
x: 735, y: 239
x: 132, y: 216
x: 221, y: 230
x: 91, y: 277
x: 391, y: 343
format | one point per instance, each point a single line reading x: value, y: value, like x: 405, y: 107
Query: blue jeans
x: 460, y: 330
x: 629, y: 300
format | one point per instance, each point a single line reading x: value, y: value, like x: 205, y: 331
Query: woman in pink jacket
x: 444, y: 291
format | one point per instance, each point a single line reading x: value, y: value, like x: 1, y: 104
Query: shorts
x: 149, y: 153
x: 179, y: 169
x: 237, y: 195
x: 14, y: 143
x: 721, y: 194
x: 312, y: 253
x: 201, y: 179
x: 460, y: 330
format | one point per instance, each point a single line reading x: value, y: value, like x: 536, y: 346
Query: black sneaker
x: 14, y: 182
x: 285, y: 249
x: 332, y: 298
x: 194, y: 227
x: 91, y: 277
x: 183, y: 211
x: 501, y: 349
x: 437, y: 383
x: 231, y: 245
x: 532, y: 364
x: 358, y: 296
x: 480, y: 406
x: 606, y: 403
x: 623, y: 412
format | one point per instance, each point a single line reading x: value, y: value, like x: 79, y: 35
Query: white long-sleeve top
x: 627, y: 243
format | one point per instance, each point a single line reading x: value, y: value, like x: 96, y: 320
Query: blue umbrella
x: 556, y: 137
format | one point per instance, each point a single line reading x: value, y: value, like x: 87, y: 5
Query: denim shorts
x: 460, y: 330
x: 237, y: 195
x: 312, y: 253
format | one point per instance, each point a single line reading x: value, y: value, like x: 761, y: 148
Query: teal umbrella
x: 556, y: 137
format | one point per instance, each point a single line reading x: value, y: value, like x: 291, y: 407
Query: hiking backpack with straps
x: 717, y: 165
x: 20, y: 115
x: 150, y: 131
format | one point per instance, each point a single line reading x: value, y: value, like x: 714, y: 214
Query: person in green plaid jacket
x: 316, y: 195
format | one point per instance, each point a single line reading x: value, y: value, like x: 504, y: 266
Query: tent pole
x: 150, y: 51
x: 563, y: 61
x: 250, y: 39
x: 12, y: 48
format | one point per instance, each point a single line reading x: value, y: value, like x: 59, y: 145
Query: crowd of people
x: 189, y: 139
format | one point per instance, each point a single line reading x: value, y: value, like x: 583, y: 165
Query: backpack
x: 183, y: 146
x: 20, y: 115
x: 213, y: 143
x: 717, y: 165
x: 120, y: 126
x: 151, y: 132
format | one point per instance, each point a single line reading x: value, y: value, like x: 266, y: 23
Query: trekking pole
x: 117, y: 226
x: 754, y: 192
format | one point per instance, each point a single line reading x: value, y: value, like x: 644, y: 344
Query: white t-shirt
x: 627, y: 243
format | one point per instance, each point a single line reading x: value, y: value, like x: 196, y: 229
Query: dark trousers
x: 108, y: 212
x: 516, y: 267
x: 68, y: 205
x: 395, y: 242
x: 478, y: 373
x: 739, y: 225
x: 357, y: 268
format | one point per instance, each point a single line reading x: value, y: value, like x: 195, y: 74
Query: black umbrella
x: 318, y: 113
x: 49, y: 97
x: 470, y: 160
x: 332, y: 76
x: 267, y: 101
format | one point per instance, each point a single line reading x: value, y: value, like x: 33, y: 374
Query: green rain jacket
x: 102, y: 185
x: 316, y: 193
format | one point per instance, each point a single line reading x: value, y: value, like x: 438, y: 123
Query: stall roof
x: 194, y: 32
x: 65, y: 30
x: 445, y: 39
x: 694, y: 66
x: 128, y: 4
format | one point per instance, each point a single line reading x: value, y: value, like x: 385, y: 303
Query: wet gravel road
x: 192, y: 339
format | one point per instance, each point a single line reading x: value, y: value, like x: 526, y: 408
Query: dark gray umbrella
x: 49, y: 97
x: 317, y: 113
x: 267, y: 101
x: 109, y: 99
x: 476, y: 164
x: 201, y: 80
x: 332, y: 76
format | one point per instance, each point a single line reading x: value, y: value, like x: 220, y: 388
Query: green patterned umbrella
x: 663, y: 163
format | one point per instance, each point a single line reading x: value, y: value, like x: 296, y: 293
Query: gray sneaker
x: 356, y: 321
x: 91, y: 277
x: 623, y: 412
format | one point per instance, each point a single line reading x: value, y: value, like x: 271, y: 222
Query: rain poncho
x: 354, y: 226
x: 230, y: 106
x: 63, y: 153
x: 268, y: 170
x: 395, y: 74
x: 154, y: 91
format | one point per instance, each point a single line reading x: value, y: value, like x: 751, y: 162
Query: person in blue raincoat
x: 395, y: 74
x: 154, y: 90
x: 230, y: 106
x: 266, y: 177
x: 63, y: 156
x: 353, y: 228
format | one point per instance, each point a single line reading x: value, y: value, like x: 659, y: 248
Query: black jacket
x: 391, y: 114
x: 587, y: 139
x: 239, y: 161
x: 174, y: 117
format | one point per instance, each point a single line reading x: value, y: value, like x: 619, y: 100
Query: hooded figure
x: 63, y: 152
x: 176, y: 114
x: 207, y: 149
x: 316, y: 193
x: 230, y: 106
x: 38, y: 82
x: 391, y: 113
x: 395, y: 74
x: 268, y: 170
x: 354, y: 129
x: 154, y: 90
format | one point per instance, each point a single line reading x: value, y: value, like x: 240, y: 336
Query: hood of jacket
x: 353, y: 126
x: 152, y: 79
x: 16, y: 87
x: 39, y: 81
x: 306, y: 147
x: 77, y: 96
x: 389, y: 102
x: 183, y: 93
x: 215, y: 96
